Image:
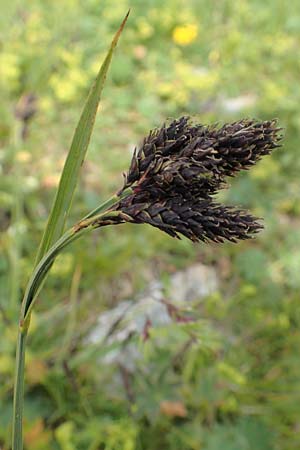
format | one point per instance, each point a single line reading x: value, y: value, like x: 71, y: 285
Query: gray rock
x: 131, y: 317
x: 195, y: 282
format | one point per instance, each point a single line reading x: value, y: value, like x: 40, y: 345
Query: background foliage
x: 230, y: 377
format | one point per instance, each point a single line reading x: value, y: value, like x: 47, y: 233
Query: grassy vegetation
x: 231, y: 377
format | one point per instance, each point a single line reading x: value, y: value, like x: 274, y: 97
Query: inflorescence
x: 174, y: 175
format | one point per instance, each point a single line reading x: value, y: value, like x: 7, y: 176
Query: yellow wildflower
x: 23, y: 156
x: 185, y: 34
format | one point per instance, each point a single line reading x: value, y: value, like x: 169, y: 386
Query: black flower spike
x: 175, y: 173
x: 198, y: 220
x: 182, y: 154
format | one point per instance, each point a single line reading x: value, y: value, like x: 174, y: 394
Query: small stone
x: 194, y: 283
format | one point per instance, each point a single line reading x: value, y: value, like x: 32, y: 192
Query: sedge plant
x: 171, y: 183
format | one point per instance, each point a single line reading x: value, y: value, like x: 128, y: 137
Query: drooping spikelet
x: 198, y: 220
x: 177, y: 170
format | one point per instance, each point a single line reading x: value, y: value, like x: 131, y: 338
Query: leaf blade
x: 75, y: 158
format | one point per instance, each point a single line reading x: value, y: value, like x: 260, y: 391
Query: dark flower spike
x: 172, y: 156
x: 175, y: 173
x: 198, y: 220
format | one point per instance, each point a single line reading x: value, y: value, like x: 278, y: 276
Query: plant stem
x: 33, y: 287
x: 17, y: 438
x: 108, y: 203
x: 31, y: 292
x: 44, y: 265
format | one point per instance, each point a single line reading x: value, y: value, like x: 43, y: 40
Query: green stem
x: 44, y: 265
x: 33, y: 287
x: 108, y: 203
x: 17, y: 440
x: 31, y: 292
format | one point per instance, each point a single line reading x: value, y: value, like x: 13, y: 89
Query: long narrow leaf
x: 76, y: 155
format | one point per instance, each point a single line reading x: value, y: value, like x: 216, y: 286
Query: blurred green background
x: 140, y: 341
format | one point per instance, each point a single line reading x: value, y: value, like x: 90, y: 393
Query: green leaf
x: 76, y: 155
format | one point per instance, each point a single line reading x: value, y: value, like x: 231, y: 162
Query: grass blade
x: 76, y: 155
